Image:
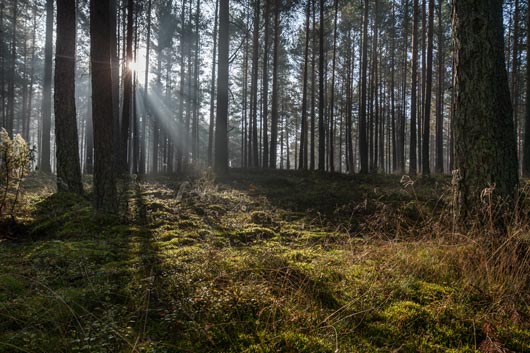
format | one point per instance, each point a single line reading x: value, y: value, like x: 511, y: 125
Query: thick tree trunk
x: 484, y: 138
x: 67, y: 148
x: 102, y: 106
x: 221, y: 124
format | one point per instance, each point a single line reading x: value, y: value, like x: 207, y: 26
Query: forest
x: 305, y: 176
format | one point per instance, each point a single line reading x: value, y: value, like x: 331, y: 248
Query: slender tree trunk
x: 102, y: 106
x: 302, y: 164
x: 45, y: 165
x: 313, y: 94
x: 426, y: 169
x: 212, y: 86
x: 221, y: 124
x: 332, y: 101
x: 127, y: 90
x: 526, y: 146
x: 275, y: 88
x: 143, y: 148
x: 363, y: 142
x: 440, y: 95
x: 265, y: 93
x: 413, y: 95
x: 321, y: 98
x: 253, y: 136
x: 11, y: 74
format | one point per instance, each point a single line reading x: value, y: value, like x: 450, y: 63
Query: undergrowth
x: 262, y: 262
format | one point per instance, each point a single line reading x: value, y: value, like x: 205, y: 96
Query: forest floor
x: 260, y: 262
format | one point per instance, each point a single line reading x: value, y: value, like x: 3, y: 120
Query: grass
x: 260, y: 262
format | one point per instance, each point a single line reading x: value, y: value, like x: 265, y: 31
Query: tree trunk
x: 484, y: 138
x: 45, y: 165
x: 313, y: 95
x: 302, y: 164
x: 265, y: 93
x: 363, y: 141
x: 252, y: 151
x: 321, y: 102
x: 212, y: 86
x: 413, y: 94
x: 440, y: 96
x: 221, y: 124
x: 275, y: 88
x: 426, y: 169
x: 127, y: 91
x: 331, y: 144
x: 102, y: 106
x: 67, y: 148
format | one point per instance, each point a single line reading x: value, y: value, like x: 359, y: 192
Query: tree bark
x: 426, y: 169
x: 127, y: 91
x: 102, y: 106
x: 484, y: 137
x: 413, y: 94
x: 67, y: 148
x: 363, y: 141
x: 221, y: 124
x: 275, y: 87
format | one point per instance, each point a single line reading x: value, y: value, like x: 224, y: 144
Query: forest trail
x: 259, y: 262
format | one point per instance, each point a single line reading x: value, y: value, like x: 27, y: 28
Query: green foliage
x: 15, y: 161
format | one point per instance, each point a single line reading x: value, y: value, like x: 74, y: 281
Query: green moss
x: 407, y: 316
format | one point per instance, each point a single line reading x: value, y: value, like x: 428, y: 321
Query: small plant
x: 15, y: 161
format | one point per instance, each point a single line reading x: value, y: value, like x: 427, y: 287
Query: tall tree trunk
x: 221, y: 124
x: 127, y: 90
x: 45, y: 165
x: 212, y: 85
x: 426, y: 169
x: 363, y: 141
x: 143, y: 148
x: 392, y: 90
x: 265, y: 93
x: 302, y: 164
x: 253, y: 134
x: 484, y: 137
x: 102, y: 106
x: 413, y: 94
x: 2, y: 67
x: 526, y: 146
x: 321, y: 102
x: 67, y: 147
x: 275, y: 88
x: 332, y: 100
x: 12, y: 70
x: 515, y: 70
x: 440, y: 96
x: 313, y: 95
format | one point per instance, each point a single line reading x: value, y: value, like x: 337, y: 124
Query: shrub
x: 15, y: 161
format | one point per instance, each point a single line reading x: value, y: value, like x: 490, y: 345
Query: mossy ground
x: 258, y: 262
